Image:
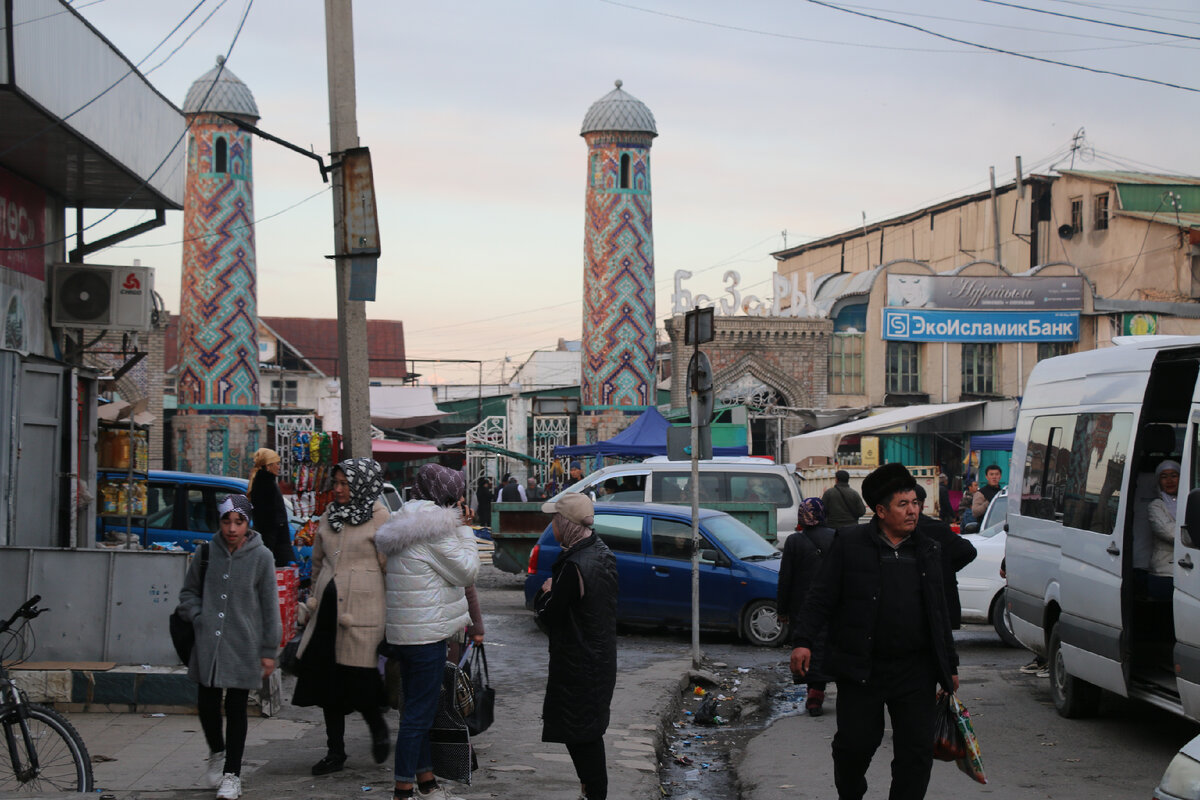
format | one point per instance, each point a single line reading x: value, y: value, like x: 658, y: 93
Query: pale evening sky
x: 772, y: 115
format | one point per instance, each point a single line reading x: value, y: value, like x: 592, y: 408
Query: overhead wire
x: 1078, y: 18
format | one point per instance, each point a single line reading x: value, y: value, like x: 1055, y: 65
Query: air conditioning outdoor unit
x: 96, y: 296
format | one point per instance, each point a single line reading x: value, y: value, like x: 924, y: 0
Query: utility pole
x: 353, y: 365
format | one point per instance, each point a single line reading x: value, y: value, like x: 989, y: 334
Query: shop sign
x: 22, y: 226
x: 869, y: 449
x: 921, y: 325
x: 1139, y: 324
x: 785, y: 288
x: 985, y: 294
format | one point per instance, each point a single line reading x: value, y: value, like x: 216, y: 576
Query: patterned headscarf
x: 365, y: 477
x: 235, y: 502
x: 811, y: 512
x: 440, y: 485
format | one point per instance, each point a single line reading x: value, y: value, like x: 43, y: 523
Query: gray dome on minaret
x: 619, y: 111
x: 229, y: 96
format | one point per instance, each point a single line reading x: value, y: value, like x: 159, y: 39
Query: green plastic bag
x: 972, y: 762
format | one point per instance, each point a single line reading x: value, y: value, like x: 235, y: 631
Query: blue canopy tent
x: 993, y: 441
x: 646, y: 437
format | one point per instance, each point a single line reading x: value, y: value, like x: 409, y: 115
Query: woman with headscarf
x: 577, y: 608
x: 337, y: 653
x: 802, y: 554
x: 431, y: 558
x: 270, y: 514
x: 232, y: 602
x: 1161, y: 512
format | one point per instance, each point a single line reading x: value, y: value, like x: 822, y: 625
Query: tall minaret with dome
x: 218, y: 427
x: 618, y: 267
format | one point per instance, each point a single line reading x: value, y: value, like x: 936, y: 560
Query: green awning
x: 500, y: 451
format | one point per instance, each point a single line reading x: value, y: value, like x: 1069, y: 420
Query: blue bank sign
x: 932, y: 325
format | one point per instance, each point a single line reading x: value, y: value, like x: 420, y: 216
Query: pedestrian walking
x: 232, y: 602
x: 802, y: 554
x: 511, y: 491
x: 983, y: 497
x: 338, y: 651
x: 431, y: 558
x: 270, y: 513
x: 890, y: 645
x: 483, y: 502
x: 843, y: 506
x: 577, y: 607
x: 533, y: 492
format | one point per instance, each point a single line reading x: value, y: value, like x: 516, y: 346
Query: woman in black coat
x: 270, y: 514
x: 802, y: 554
x: 578, y: 610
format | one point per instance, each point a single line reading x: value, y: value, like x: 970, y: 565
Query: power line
x: 1092, y: 21
x: 187, y: 38
x: 999, y: 50
x: 1136, y: 11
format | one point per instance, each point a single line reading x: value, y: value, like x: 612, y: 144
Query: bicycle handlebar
x: 28, y: 610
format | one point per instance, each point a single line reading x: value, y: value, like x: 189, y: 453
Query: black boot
x: 381, y: 738
x: 332, y: 762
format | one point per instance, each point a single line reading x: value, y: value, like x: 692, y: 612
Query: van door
x: 1186, y: 600
x: 1086, y: 461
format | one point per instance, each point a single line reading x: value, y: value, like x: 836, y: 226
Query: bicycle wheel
x: 62, y: 758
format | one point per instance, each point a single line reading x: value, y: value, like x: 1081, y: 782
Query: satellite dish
x: 1066, y: 231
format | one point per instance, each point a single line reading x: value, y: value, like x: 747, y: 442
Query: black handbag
x: 484, y: 712
x: 449, y: 740
x: 183, y: 633
x: 289, y: 662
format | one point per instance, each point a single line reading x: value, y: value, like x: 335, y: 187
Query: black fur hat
x: 886, y: 481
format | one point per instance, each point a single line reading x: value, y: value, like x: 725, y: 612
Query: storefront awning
x: 391, y: 450
x: 824, y: 443
x: 500, y: 451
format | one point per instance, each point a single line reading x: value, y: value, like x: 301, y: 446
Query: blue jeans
x: 421, y: 669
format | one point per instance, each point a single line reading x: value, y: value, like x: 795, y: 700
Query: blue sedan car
x: 739, y: 570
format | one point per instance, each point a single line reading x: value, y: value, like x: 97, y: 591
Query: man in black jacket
x: 890, y: 645
x: 843, y: 506
x: 957, y: 552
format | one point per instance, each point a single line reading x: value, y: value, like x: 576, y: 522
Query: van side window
x: 622, y: 534
x: 1074, y: 468
x: 675, y: 487
x: 759, y: 489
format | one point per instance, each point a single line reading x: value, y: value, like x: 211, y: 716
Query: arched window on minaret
x: 625, y: 170
x: 220, y: 155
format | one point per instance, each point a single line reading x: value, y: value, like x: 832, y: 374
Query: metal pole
x: 695, y: 416
x: 353, y: 365
x: 995, y: 215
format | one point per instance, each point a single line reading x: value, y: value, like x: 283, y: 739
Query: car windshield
x: 993, y: 520
x: 739, y: 538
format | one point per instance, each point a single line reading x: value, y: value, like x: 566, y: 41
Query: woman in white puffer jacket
x: 431, y: 558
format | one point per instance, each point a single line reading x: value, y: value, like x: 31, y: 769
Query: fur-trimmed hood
x: 418, y: 522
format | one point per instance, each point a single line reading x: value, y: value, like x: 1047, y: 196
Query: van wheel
x: 1001, y: 620
x: 1073, y: 698
x: 760, y: 624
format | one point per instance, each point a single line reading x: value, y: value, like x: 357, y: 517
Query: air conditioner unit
x: 96, y: 296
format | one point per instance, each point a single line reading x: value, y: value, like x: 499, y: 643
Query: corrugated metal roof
x: 1166, y: 217
x: 1142, y: 178
x: 229, y: 96
x: 619, y: 111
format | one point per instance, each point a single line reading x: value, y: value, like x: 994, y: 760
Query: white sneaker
x: 216, y: 766
x: 438, y: 793
x: 231, y: 787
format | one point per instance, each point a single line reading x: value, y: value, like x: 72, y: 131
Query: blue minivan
x: 739, y: 570
x: 181, y: 507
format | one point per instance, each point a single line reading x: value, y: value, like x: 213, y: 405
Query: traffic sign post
x: 698, y: 329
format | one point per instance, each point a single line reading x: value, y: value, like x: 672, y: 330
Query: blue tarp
x: 993, y: 441
x: 646, y: 437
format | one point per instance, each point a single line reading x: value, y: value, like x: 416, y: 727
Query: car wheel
x: 1073, y: 698
x: 1002, y: 621
x: 760, y: 624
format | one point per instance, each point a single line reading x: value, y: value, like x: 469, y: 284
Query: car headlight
x: 1182, y: 778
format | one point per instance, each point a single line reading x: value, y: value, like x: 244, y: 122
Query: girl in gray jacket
x: 234, y: 608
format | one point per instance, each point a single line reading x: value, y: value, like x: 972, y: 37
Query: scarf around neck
x: 365, y: 477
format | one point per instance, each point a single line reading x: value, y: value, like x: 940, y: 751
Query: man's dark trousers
x: 906, y: 687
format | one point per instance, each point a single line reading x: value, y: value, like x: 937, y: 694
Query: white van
x: 1092, y: 428
x: 733, y: 479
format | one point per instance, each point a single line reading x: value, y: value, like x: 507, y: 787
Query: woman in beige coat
x: 337, y: 653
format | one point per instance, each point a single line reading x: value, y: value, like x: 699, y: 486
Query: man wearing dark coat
x: 890, y: 645
x: 843, y: 506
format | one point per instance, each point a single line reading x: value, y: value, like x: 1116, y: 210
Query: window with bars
x: 979, y: 368
x: 1102, y: 212
x: 846, y: 363
x: 903, y: 368
x: 1077, y: 214
x: 1051, y: 349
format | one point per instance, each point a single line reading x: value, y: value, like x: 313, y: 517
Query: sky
x: 779, y: 121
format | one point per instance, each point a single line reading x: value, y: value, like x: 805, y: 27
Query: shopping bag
x: 183, y: 636
x: 948, y: 744
x: 449, y: 740
x: 484, y: 713
x: 972, y: 761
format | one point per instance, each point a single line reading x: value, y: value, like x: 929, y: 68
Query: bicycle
x: 42, y: 752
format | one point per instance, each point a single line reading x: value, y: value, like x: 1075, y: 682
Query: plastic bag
x: 971, y: 762
x: 948, y: 744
